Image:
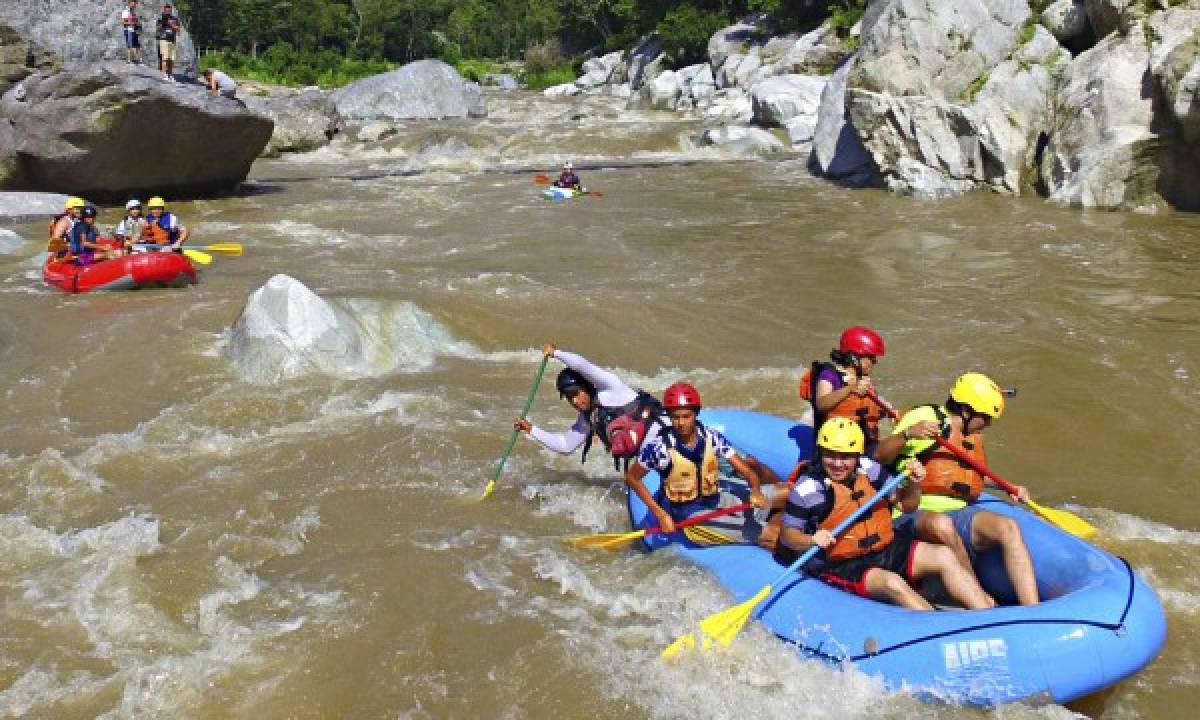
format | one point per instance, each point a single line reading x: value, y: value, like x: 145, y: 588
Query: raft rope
x: 1118, y: 626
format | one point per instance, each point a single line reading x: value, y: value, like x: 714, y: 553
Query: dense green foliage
x: 331, y: 42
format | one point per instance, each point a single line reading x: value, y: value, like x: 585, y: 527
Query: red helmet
x: 861, y: 340
x: 681, y: 395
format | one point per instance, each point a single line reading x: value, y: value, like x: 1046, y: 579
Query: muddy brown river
x: 178, y: 539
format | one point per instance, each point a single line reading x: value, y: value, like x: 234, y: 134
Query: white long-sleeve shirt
x: 611, y: 392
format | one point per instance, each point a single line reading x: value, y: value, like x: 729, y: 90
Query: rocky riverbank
x: 1087, y: 102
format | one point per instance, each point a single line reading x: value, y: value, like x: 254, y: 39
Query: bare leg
x: 990, y: 529
x: 936, y: 527
x: 960, y: 582
x: 889, y: 587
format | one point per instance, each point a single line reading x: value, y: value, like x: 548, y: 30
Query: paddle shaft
x: 954, y: 450
x: 512, y: 440
x: 842, y: 527
x: 703, y: 517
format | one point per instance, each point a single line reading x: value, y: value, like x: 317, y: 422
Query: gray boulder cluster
x: 750, y: 78
x: 367, y: 109
x: 1087, y: 102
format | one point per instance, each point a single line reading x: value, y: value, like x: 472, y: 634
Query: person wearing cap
x: 162, y: 227
x: 975, y: 402
x: 167, y: 31
x: 686, y: 456
x: 623, y: 418
x: 60, y: 227
x: 568, y: 179
x: 843, y: 386
x: 220, y: 84
x: 875, y: 557
x: 85, y: 239
x: 133, y: 225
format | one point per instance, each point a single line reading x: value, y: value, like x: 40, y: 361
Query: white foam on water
x: 1130, y: 528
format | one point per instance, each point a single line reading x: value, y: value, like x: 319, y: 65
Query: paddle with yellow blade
x: 512, y: 440
x: 614, y: 541
x: 227, y: 248
x: 1062, y: 519
x: 720, y: 629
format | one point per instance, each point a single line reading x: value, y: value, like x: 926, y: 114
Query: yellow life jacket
x: 693, y: 475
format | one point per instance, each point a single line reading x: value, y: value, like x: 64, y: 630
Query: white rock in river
x: 286, y: 330
x: 10, y: 242
x: 780, y: 98
x: 743, y: 140
x: 30, y: 205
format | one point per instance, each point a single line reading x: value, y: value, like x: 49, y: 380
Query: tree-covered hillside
x: 331, y: 41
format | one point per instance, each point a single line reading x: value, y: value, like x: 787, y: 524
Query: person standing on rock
x: 162, y: 227
x: 133, y: 33
x: 220, y: 84
x: 167, y: 30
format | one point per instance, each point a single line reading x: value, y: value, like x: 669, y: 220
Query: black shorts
x: 850, y: 575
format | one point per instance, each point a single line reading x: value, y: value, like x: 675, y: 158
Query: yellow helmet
x: 155, y: 201
x: 978, y: 391
x: 75, y: 202
x: 841, y: 434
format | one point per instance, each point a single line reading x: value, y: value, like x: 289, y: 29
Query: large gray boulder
x: 780, y: 98
x: 85, y: 32
x: 813, y: 53
x: 107, y: 132
x: 1101, y: 151
x: 935, y: 50
x: 304, y: 120
x: 664, y: 91
x: 837, y: 153
x: 423, y: 90
x: 923, y: 99
x: 736, y: 39
x: 286, y: 331
x: 597, y: 71
x: 645, y: 63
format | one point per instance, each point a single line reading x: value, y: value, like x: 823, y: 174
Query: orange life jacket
x: 872, y: 533
x: 59, y: 245
x: 155, y: 233
x: 863, y: 410
x: 945, y: 474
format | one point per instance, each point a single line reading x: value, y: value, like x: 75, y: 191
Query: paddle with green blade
x: 512, y: 440
x: 1062, y: 519
x: 720, y: 629
x: 615, y: 541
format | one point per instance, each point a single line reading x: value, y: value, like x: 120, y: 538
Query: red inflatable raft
x: 156, y: 269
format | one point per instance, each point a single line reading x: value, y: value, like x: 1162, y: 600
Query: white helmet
x: 568, y: 165
x: 135, y: 203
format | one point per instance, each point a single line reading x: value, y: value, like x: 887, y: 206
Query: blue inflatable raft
x: 1099, y: 621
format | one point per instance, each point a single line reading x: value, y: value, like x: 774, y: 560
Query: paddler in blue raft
x: 974, y: 402
x: 609, y: 409
x: 687, y: 456
x: 875, y: 558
